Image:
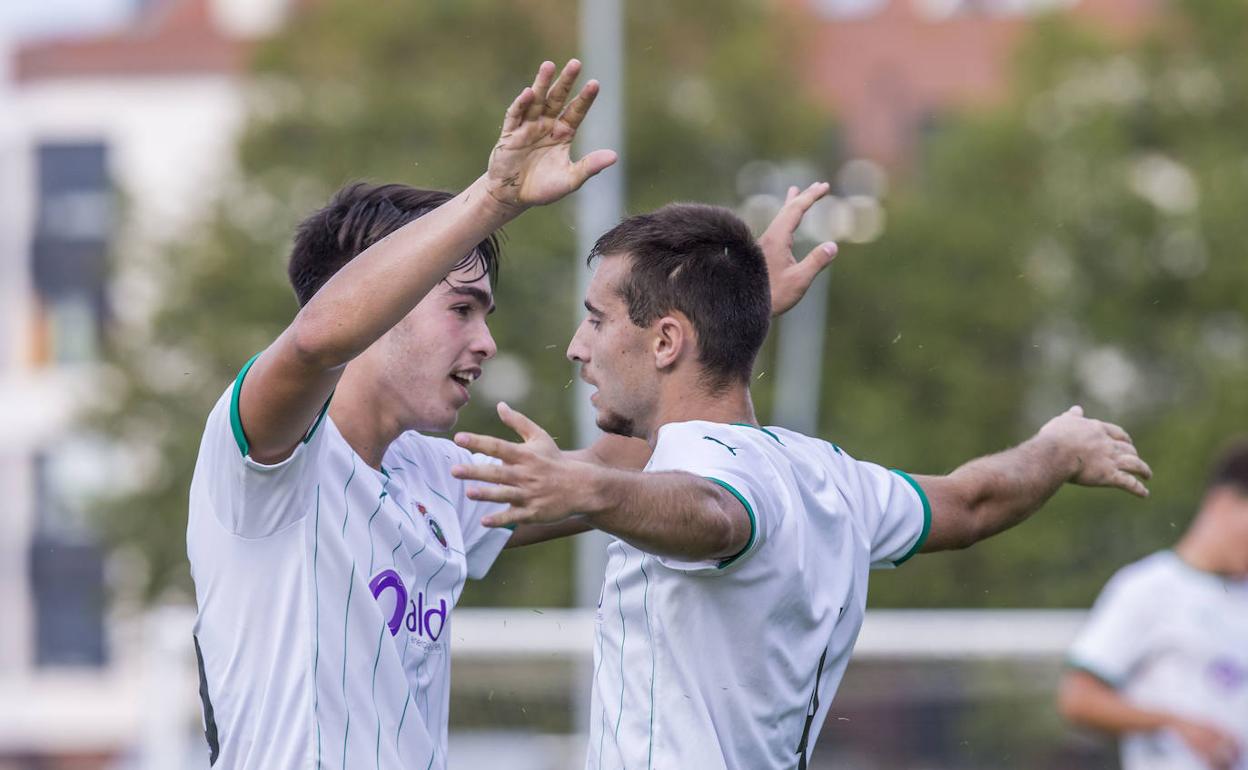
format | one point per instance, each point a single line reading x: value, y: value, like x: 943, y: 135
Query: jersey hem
x: 1092, y: 671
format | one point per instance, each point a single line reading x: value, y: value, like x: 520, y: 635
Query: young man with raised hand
x: 327, y: 539
x: 737, y: 582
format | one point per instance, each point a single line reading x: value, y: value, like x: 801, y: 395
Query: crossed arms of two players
x: 553, y: 493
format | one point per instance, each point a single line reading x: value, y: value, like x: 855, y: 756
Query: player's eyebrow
x: 479, y: 295
x: 590, y: 307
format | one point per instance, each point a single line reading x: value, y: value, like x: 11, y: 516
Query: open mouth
x: 466, y: 377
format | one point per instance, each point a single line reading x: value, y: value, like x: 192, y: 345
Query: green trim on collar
x: 753, y: 522
x: 759, y: 427
x: 927, y: 518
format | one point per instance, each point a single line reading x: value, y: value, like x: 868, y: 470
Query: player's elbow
x: 1073, y: 696
x: 314, y: 343
x: 730, y: 527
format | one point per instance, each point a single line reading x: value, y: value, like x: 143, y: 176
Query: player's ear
x: 672, y: 339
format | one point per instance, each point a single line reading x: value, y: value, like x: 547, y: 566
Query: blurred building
x: 108, y: 144
x: 139, y: 121
x: 889, y: 69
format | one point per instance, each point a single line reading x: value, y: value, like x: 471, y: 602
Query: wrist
x: 593, y: 489
x: 482, y: 193
x: 1059, y: 455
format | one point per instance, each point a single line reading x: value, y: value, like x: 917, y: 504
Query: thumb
x: 522, y: 425
x: 592, y: 164
x: 1076, y: 411
x: 819, y: 257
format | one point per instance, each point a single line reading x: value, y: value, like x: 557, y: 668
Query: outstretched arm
x: 669, y: 514
x: 993, y: 493
x: 530, y: 165
x: 1086, y: 700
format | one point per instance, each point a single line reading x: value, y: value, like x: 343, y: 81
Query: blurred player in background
x: 1163, y: 661
x: 737, y: 580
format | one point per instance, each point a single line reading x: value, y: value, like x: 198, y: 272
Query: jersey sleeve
x: 715, y: 453
x: 251, y: 499
x: 1114, y: 640
x: 893, y: 510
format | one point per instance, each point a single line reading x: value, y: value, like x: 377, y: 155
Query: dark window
x: 74, y: 221
x: 67, y: 580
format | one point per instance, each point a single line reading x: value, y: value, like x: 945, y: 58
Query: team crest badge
x: 437, y: 531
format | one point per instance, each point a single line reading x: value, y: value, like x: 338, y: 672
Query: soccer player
x: 737, y: 582
x: 327, y: 540
x: 1163, y: 660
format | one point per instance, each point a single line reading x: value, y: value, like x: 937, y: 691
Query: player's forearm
x: 531, y: 534
x: 994, y: 493
x: 1086, y: 701
x: 374, y: 291
x: 667, y: 514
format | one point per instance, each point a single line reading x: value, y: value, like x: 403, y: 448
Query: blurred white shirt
x: 1173, y: 638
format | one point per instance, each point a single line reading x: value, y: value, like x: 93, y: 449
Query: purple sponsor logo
x: 1227, y: 674
x: 389, y: 580
x: 420, y: 620
x: 413, y: 614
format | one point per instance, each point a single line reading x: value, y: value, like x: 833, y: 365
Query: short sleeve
x: 716, y: 453
x: 251, y: 499
x: 1114, y: 640
x: 894, y: 511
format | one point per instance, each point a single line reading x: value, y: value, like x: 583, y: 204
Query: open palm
x: 532, y: 162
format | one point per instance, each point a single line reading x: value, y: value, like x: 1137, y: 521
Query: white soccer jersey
x: 732, y: 665
x: 325, y: 590
x: 1173, y: 638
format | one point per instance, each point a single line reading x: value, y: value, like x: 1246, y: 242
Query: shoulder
x: 701, y: 436
x: 1143, y: 581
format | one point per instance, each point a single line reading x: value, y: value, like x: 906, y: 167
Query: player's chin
x: 610, y: 422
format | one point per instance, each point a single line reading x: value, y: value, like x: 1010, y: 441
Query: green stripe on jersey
x: 753, y: 521
x: 759, y: 427
x: 236, y: 422
x: 927, y: 518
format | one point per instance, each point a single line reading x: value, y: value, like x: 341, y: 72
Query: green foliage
x: 413, y: 91
x: 1082, y: 244
x: 1079, y: 244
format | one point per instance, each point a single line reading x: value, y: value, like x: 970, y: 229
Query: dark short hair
x: 703, y: 261
x: 358, y: 216
x: 1231, y: 467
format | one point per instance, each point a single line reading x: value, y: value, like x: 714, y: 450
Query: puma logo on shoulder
x: 731, y: 449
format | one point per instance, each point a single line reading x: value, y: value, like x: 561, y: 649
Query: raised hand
x: 532, y: 162
x: 789, y: 278
x: 537, y: 480
x: 1104, y: 454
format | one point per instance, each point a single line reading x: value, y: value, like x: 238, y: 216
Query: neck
x: 1201, y: 548
x: 359, y: 415
x: 728, y: 406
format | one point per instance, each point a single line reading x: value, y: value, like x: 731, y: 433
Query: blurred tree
x: 413, y: 91
x: 1081, y: 244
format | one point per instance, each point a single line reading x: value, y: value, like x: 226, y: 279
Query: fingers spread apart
x: 494, y: 447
